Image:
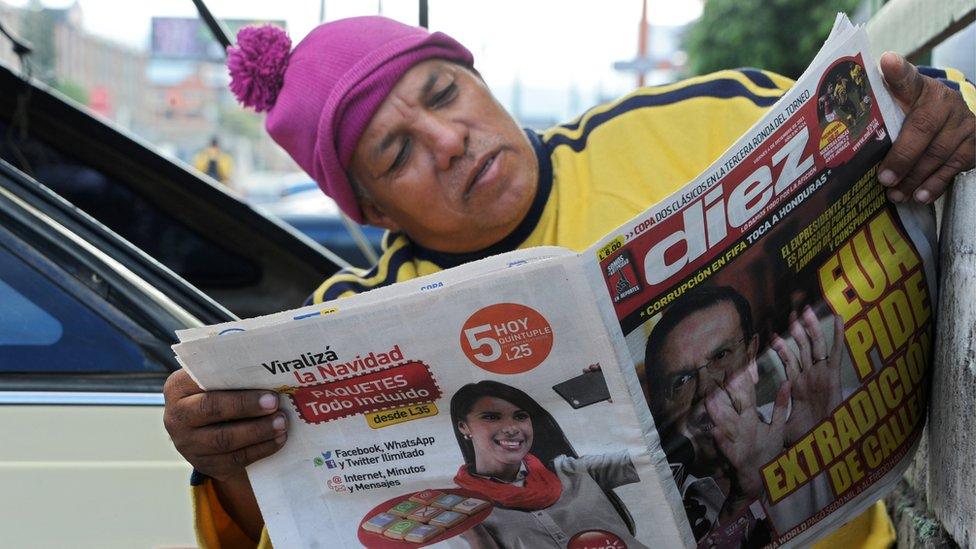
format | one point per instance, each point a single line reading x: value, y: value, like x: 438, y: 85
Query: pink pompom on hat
x: 321, y: 95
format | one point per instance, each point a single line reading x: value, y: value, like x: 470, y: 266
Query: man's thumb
x: 902, y: 78
x: 778, y: 420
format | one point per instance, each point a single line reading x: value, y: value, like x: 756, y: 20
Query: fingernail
x: 268, y: 401
x: 280, y: 439
x: 278, y: 423
x: 887, y: 178
x: 895, y: 195
x: 923, y: 196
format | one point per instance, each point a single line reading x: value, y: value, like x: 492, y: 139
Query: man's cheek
x: 672, y: 418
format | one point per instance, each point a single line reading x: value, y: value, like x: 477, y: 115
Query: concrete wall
x: 935, y: 504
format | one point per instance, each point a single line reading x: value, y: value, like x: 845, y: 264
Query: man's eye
x: 401, y: 157
x: 680, y: 381
x: 444, y: 96
x: 521, y: 416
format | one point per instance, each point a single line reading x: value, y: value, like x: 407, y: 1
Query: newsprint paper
x: 743, y: 364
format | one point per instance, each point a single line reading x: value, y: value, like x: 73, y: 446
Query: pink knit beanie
x: 321, y: 96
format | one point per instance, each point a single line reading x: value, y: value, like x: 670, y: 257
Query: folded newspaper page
x: 743, y: 364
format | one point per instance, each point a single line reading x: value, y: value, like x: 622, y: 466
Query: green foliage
x: 777, y: 35
x: 73, y: 90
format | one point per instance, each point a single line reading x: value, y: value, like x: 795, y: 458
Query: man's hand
x: 221, y: 432
x: 745, y: 440
x: 936, y: 140
x: 814, y: 374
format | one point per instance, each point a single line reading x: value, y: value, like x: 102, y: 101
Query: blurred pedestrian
x: 215, y: 162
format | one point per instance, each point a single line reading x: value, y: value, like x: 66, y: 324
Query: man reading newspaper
x: 395, y: 124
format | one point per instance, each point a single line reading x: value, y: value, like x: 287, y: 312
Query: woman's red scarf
x: 542, y: 487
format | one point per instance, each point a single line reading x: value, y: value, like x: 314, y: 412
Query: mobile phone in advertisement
x: 583, y: 390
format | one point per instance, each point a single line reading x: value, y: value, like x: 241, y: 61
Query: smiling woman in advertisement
x: 544, y: 495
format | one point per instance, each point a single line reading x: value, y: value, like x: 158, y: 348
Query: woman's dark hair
x: 548, y: 439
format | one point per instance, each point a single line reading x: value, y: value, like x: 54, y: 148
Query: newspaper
x: 744, y: 363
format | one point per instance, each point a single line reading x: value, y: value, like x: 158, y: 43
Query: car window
x: 200, y: 260
x: 48, y: 327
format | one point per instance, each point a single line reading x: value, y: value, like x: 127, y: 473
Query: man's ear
x: 374, y: 215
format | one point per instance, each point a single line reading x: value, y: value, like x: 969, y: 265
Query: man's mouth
x: 703, y: 422
x: 482, y: 168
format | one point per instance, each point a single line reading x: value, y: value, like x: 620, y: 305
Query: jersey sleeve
x: 214, y: 527
x: 955, y: 80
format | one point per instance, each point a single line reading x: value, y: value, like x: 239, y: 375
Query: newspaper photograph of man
x: 518, y: 457
x: 705, y: 392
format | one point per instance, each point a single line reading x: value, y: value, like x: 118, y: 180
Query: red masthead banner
x: 402, y: 385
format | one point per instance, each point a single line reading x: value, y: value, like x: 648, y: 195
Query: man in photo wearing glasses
x: 702, y: 383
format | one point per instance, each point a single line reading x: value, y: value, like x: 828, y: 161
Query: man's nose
x: 447, y: 139
x: 705, y: 384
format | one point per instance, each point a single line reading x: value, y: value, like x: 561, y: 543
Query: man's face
x: 698, y: 353
x: 442, y: 161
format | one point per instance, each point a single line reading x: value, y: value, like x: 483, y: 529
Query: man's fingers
x: 225, y: 466
x: 741, y: 390
x: 786, y: 356
x: 780, y: 405
x: 799, y: 335
x: 903, y: 79
x: 962, y: 159
x: 943, y: 149
x: 219, y: 406
x: 720, y: 411
x: 225, y: 438
x: 920, y: 128
x: 811, y: 324
x: 178, y: 385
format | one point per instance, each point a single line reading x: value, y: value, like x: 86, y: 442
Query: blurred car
x: 107, y: 248
x: 301, y: 204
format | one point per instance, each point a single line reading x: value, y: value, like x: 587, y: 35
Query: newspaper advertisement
x: 743, y: 364
x: 402, y: 417
x: 779, y: 314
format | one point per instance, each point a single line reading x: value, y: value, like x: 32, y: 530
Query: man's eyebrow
x: 429, y: 84
x: 384, y: 144
x: 424, y: 91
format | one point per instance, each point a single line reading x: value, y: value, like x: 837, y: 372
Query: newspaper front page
x: 743, y: 364
x: 778, y: 312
